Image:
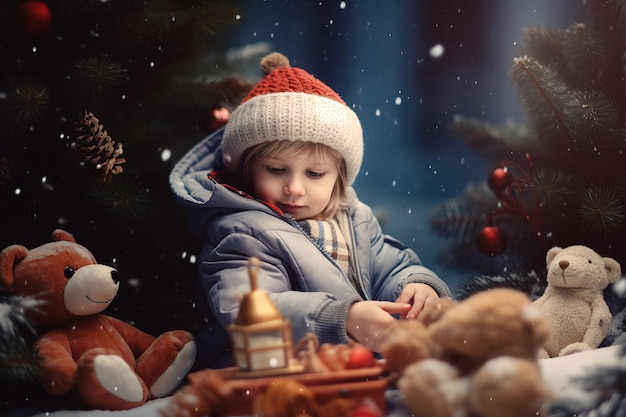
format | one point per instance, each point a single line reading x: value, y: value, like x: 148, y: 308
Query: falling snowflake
x: 436, y: 51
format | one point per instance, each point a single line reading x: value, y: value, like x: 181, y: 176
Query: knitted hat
x: 291, y: 104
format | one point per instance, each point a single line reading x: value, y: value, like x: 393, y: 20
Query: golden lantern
x: 261, y: 339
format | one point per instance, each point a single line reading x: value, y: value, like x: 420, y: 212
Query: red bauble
x: 34, y: 18
x: 365, y: 411
x: 217, y: 118
x: 491, y: 241
x: 360, y: 357
x: 499, y: 179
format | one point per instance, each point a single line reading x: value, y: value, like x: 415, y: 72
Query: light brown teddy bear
x: 476, y: 357
x: 574, y: 300
x: 111, y: 364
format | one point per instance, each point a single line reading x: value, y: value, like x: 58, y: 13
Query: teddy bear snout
x: 91, y: 289
x: 563, y: 264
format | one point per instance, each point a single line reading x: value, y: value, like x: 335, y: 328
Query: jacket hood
x: 201, y: 196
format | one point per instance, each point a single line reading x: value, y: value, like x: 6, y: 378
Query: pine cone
x: 99, y: 155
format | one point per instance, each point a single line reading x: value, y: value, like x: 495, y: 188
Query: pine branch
x: 462, y: 218
x: 587, y: 55
x: 174, y: 31
x: 493, y: 141
x: 530, y: 284
x: 18, y: 360
x: 542, y: 93
x: 605, y: 384
x: 546, y: 45
x: 464, y: 257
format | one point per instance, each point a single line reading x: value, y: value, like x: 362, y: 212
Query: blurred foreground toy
x: 111, y: 364
x: 475, y: 357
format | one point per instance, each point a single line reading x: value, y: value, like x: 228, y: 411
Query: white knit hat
x: 291, y: 104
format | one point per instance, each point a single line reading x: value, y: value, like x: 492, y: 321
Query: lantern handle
x: 254, y: 266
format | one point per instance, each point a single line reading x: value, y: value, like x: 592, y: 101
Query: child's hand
x: 418, y: 295
x: 368, y: 321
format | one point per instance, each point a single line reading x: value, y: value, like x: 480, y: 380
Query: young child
x: 275, y: 184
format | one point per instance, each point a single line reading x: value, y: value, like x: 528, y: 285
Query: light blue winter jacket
x: 306, y: 285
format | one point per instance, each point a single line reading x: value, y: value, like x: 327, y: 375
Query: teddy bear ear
x: 61, y: 235
x: 613, y: 269
x: 8, y: 258
x: 552, y: 254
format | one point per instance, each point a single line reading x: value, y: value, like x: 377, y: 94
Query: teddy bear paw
x: 574, y: 348
x: 116, y: 377
x: 174, y: 374
x: 106, y: 381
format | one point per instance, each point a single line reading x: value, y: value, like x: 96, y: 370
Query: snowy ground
x: 559, y: 373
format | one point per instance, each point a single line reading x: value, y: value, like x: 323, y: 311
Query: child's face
x: 297, y: 186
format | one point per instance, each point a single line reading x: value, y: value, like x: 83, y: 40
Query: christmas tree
x: 98, y: 99
x: 558, y: 178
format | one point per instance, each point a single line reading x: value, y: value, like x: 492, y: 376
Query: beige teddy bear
x: 475, y: 357
x: 574, y: 300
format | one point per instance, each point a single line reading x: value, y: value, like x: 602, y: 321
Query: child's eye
x: 274, y: 170
x: 314, y: 174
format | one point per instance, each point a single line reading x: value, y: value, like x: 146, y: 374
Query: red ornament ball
x: 217, y: 118
x: 34, y: 18
x: 491, y: 241
x: 360, y: 357
x: 365, y: 411
x: 499, y: 179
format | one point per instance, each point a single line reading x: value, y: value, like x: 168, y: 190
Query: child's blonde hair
x: 294, y: 149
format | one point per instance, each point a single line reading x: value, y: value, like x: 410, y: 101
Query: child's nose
x: 294, y: 186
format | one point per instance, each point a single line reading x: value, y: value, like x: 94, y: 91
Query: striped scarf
x: 327, y: 235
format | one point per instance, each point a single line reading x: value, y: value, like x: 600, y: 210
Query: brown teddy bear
x: 574, y: 300
x: 475, y: 357
x: 111, y: 364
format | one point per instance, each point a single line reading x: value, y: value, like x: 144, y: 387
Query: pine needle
x: 541, y: 92
x: 602, y: 212
x: 97, y: 75
x: 121, y: 197
x: 27, y: 104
